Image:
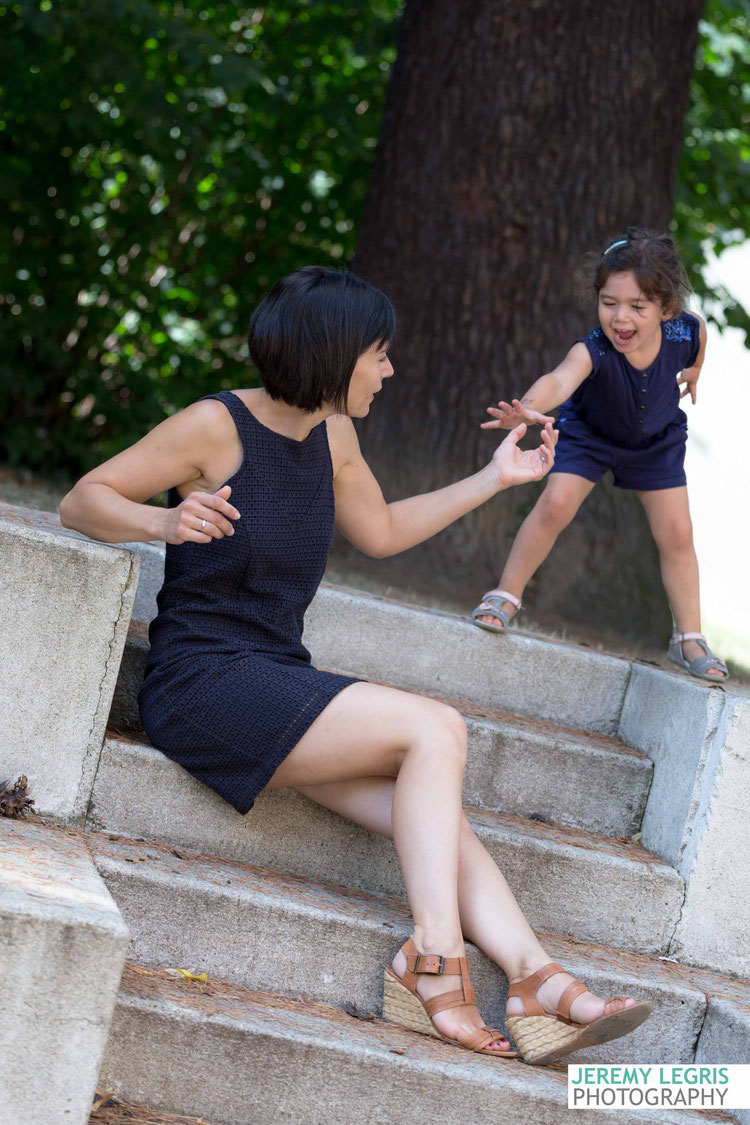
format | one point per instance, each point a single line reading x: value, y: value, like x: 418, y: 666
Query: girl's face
x: 372, y: 367
x: 630, y: 321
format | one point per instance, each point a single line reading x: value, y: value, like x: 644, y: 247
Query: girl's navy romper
x: 629, y: 420
x: 229, y: 688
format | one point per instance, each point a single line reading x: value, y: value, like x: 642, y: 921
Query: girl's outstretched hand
x: 509, y: 415
x: 201, y: 517
x: 519, y: 466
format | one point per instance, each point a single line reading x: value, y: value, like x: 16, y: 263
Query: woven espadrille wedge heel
x: 402, y: 1003
x: 542, y: 1038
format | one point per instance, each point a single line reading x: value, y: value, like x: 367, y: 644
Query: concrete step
x: 231, y: 1056
x: 516, y: 765
x: 427, y: 650
x: 259, y: 928
x: 566, y: 880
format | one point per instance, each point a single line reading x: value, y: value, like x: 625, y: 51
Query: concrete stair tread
x: 604, y: 743
x: 241, y: 922
x: 160, y: 862
x: 385, y: 1063
x: 524, y: 766
x: 622, y: 849
x: 596, y: 887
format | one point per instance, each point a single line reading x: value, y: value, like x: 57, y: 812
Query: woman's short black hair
x: 654, y: 260
x: 307, y: 334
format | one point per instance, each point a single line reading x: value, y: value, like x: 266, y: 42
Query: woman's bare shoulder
x: 196, y: 446
x: 342, y: 440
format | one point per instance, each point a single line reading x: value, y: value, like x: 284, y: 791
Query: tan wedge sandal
x: 402, y: 1003
x: 542, y: 1038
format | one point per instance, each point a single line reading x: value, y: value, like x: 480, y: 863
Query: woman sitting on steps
x: 255, y: 478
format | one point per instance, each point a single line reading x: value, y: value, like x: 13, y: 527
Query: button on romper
x: 229, y: 688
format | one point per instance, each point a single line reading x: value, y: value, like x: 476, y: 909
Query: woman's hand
x: 509, y: 415
x: 201, y: 517
x: 519, y: 466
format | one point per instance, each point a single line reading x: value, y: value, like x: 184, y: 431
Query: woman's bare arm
x: 183, y: 451
x: 380, y: 529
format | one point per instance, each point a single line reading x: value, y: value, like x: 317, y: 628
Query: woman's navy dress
x: 229, y: 688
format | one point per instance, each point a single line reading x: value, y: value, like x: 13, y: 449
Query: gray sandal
x: 698, y: 667
x: 492, y: 605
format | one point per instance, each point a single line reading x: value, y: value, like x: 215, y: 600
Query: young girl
x: 230, y: 692
x: 619, y: 390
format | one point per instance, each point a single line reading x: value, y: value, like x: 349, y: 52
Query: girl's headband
x: 622, y: 242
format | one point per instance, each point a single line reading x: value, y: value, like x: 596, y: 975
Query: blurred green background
x: 163, y: 163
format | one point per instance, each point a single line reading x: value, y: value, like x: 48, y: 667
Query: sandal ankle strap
x: 678, y: 638
x: 434, y: 964
x: 506, y: 596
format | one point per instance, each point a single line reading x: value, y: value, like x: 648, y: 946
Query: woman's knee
x: 440, y: 730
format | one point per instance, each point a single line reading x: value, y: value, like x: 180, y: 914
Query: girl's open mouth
x: 624, y: 338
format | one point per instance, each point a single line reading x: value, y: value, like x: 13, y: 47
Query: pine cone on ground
x: 15, y: 801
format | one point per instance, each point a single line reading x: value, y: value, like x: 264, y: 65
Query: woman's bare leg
x: 489, y: 914
x: 553, y: 511
x: 420, y: 746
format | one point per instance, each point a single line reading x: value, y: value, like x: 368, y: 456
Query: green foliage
x: 712, y: 208
x: 162, y: 163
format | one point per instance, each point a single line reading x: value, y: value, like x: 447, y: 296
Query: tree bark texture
x: 518, y: 134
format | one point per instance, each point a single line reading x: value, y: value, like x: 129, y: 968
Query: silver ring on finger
x: 203, y: 524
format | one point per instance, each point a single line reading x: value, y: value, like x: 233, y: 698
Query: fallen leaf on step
x: 193, y: 976
x: 398, y: 1051
x: 101, y: 1099
x: 636, y: 839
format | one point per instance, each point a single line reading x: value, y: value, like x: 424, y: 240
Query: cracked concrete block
x: 62, y: 948
x: 65, y: 603
x: 714, y: 927
x: 150, y: 578
x: 725, y: 1038
x: 674, y: 720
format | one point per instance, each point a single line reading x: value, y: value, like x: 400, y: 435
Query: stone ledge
x: 62, y: 948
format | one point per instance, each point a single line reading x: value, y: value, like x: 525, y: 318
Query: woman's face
x: 372, y: 367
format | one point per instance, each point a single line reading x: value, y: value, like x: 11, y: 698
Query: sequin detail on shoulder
x: 598, y: 341
x: 678, y: 330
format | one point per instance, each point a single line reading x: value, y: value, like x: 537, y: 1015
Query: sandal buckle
x: 429, y: 959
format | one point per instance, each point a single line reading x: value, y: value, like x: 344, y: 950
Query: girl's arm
x: 380, y: 529
x: 108, y: 503
x: 547, y: 393
x: 690, y: 375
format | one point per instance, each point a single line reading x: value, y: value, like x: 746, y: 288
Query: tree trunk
x: 517, y: 135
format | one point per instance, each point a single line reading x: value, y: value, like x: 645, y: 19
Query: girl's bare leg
x: 489, y: 914
x: 553, y: 511
x: 419, y: 745
x: 668, y: 512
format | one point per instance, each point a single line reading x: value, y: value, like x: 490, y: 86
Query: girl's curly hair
x: 654, y: 260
